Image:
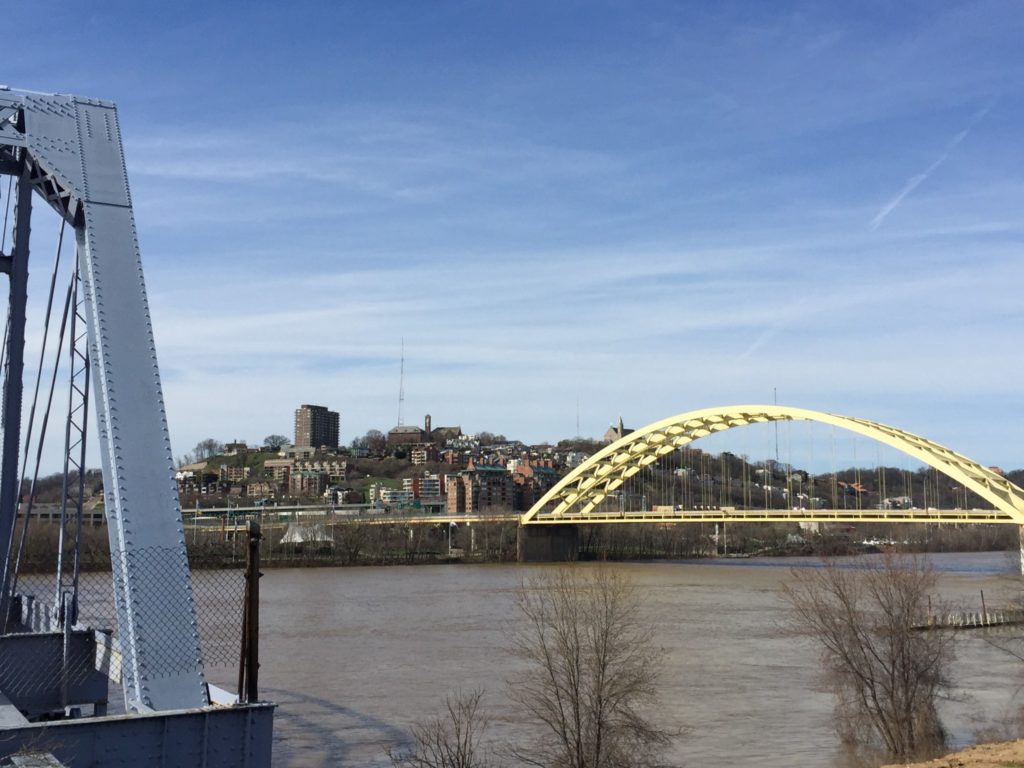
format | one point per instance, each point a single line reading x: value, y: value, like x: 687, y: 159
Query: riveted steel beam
x: 69, y: 152
x: 14, y: 363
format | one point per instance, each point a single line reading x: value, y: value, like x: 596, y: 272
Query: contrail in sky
x: 916, y: 180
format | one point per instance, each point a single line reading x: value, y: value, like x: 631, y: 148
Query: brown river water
x: 352, y: 656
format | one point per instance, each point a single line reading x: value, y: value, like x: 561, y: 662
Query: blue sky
x: 638, y: 207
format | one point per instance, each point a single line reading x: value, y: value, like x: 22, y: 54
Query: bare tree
x: 275, y: 441
x: 887, y: 676
x: 591, y: 670
x: 207, y: 448
x: 374, y: 442
x: 449, y: 740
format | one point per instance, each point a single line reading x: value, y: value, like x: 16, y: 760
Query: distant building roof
x: 616, y: 432
x: 445, y: 433
x: 405, y: 435
x: 474, y: 466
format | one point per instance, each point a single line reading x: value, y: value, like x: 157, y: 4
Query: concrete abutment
x: 547, y: 543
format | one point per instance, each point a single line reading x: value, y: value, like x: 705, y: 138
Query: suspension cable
x: 835, y: 479
x: 790, y: 496
x: 42, y: 435
x: 42, y: 350
x: 809, y: 491
x: 856, y: 475
x: 39, y: 448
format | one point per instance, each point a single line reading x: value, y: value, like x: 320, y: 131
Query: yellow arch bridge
x: 577, y: 498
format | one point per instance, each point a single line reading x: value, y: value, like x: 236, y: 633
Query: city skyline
x: 568, y: 212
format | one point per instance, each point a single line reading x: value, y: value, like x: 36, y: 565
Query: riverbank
x: 330, y: 542
x: 1005, y: 754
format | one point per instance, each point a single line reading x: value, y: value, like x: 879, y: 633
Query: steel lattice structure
x: 67, y: 150
x: 576, y: 496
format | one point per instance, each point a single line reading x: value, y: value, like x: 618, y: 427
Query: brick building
x: 425, y: 486
x: 424, y: 452
x: 316, y: 427
x: 307, y: 483
x: 532, y: 478
x: 479, y: 488
x: 336, y: 470
x: 400, y: 437
x: 279, y: 469
x: 234, y: 474
x: 261, y: 489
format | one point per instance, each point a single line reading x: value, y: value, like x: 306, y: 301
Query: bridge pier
x: 1020, y: 538
x: 547, y: 543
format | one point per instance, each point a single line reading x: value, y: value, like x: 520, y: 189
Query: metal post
x: 249, y: 661
x: 12, y: 385
x: 65, y: 609
x: 1020, y: 538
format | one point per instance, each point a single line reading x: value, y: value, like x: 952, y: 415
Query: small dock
x: 973, y: 619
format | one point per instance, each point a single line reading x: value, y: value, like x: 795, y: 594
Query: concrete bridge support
x: 547, y: 543
x: 1020, y: 537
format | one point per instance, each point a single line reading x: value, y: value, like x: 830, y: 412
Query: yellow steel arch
x: 588, y: 484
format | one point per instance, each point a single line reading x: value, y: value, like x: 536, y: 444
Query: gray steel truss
x: 68, y: 150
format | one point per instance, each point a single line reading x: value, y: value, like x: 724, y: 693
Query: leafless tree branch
x: 591, y: 672
x: 452, y: 739
x: 887, y: 676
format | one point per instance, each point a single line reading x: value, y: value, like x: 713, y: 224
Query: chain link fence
x: 42, y: 669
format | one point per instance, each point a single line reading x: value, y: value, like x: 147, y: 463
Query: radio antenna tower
x: 401, y: 384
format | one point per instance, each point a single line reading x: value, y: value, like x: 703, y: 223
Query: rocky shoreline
x: 1004, y: 754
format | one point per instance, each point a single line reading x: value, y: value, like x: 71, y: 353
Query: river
x: 353, y: 655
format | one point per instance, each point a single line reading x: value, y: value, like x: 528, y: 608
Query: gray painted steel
x: 13, y: 385
x: 214, y: 736
x: 32, y: 668
x: 73, y: 147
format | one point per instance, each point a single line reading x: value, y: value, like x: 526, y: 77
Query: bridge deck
x: 731, y: 515
x: 236, y: 518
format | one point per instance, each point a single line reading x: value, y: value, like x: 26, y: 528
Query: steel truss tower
x: 67, y: 151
